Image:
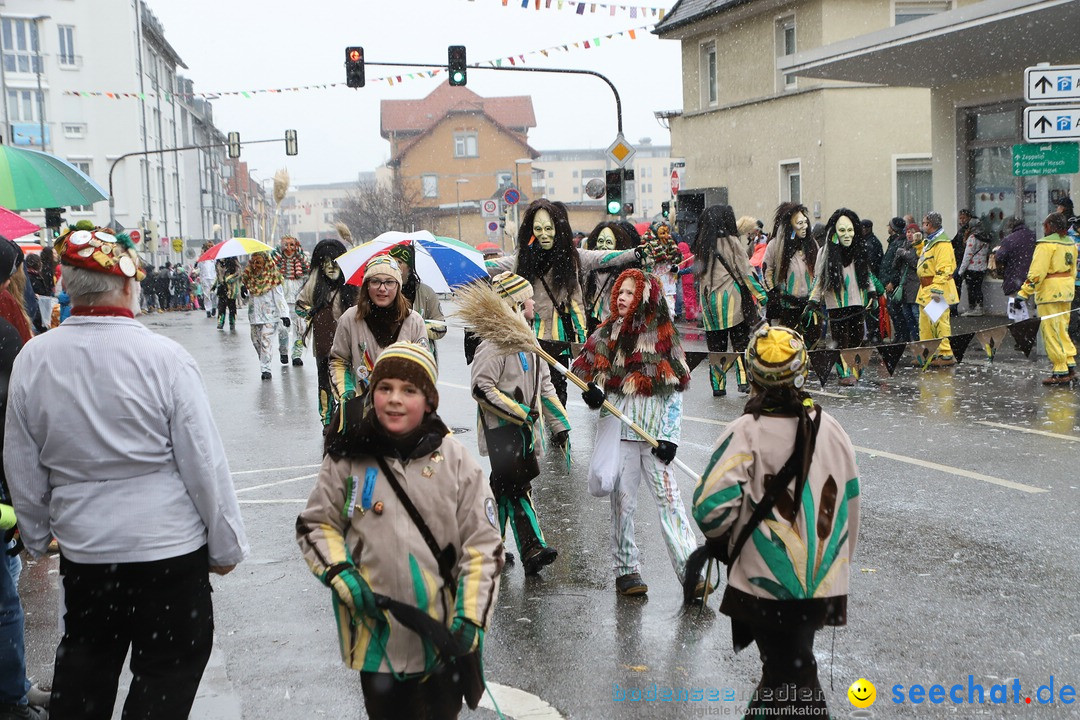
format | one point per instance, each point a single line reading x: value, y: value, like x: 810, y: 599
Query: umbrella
x: 29, y: 248
x: 13, y: 225
x: 233, y: 247
x: 488, y: 247
x: 442, y: 263
x: 32, y: 179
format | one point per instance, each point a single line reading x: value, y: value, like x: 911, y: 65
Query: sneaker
x: 297, y: 362
x: 22, y: 712
x: 976, y: 311
x: 630, y: 585
x: 266, y: 375
x: 284, y: 358
x: 39, y: 694
x: 719, y: 393
x: 538, y: 558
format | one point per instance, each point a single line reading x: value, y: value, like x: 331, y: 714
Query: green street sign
x: 1061, y: 158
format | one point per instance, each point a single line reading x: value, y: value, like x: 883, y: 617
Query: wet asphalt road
x: 955, y: 573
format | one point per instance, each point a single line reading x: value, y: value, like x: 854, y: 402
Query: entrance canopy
x: 970, y: 43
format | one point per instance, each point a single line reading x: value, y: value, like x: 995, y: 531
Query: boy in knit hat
x: 361, y: 540
x: 514, y: 390
x: 787, y: 544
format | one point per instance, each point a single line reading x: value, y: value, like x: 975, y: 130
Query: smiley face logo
x: 862, y: 693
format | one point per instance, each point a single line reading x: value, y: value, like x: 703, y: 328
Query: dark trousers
x: 223, y: 305
x: 1074, y: 318
x: 327, y: 405
x: 161, y: 610
x: 436, y: 697
x: 791, y: 317
x: 560, y: 352
x: 848, y: 328
x: 13, y: 685
x: 514, y: 500
x: 788, y: 673
x: 717, y: 341
x: 901, y: 326
x: 975, y: 288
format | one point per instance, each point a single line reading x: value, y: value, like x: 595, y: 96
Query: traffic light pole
x: 515, y: 68
x: 112, y: 198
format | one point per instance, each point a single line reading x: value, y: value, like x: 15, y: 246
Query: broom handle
x: 612, y: 409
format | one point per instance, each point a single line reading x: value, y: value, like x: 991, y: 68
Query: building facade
x: 767, y: 135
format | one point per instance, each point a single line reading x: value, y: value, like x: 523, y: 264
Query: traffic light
x: 234, y: 145
x: 54, y: 217
x: 456, y: 64
x: 665, y: 209
x: 290, y: 142
x: 613, y: 183
x: 354, y: 67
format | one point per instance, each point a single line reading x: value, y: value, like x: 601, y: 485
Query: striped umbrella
x: 442, y: 263
x: 31, y: 179
x: 233, y: 247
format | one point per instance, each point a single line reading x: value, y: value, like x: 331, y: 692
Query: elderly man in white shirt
x: 111, y: 449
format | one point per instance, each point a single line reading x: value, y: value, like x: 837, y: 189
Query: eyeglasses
x: 383, y: 283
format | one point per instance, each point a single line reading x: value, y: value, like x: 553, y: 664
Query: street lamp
x: 517, y: 181
x: 457, y: 189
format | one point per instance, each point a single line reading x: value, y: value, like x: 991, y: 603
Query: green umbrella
x: 31, y: 179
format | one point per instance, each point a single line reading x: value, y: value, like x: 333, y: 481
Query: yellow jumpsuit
x: 1051, y: 278
x: 936, y: 266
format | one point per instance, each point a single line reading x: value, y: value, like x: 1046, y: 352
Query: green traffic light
x: 459, y: 77
x: 613, y: 207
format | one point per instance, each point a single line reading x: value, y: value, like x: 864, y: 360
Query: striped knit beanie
x: 776, y: 356
x: 512, y: 288
x: 382, y: 265
x: 412, y: 362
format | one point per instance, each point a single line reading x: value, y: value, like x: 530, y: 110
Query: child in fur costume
x: 266, y: 304
x: 514, y: 389
x: 636, y: 358
x: 321, y: 301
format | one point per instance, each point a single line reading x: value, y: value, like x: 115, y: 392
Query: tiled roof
x: 419, y: 115
x: 685, y: 12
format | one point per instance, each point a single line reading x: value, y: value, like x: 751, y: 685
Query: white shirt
x: 111, y: 448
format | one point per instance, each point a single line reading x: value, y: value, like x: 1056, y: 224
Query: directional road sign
x: 1052, y: 83
x: 1052, y: 123
x: 1052, y: 159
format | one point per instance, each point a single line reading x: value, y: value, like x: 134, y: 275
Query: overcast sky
x: 258, y: 44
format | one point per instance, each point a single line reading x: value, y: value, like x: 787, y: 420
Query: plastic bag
x: 604, y: 465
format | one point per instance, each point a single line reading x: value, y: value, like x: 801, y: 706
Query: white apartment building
x: 563, y: 174
x: 72, y: 50
x: 309, y: 211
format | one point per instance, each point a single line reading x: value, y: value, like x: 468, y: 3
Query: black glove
x: 560, y: 438
x: 243, y: 291
x: 532, y: 416
x: 286, y: 321
x: 641, y: 252
x: 594, y: 397
x: 665, y: 451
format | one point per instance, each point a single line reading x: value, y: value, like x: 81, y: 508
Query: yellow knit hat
x: 776, y: 356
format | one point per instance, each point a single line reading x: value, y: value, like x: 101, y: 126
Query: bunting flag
x: 924, y: 351
x: 822, y: 361
x: 991, y: 338
x: 960, y: 344
x: 1024, y: 333
x: 390, y: 80
x: 724, y: 359
x: 579, y: 8
x: 891, y: 354
x: 856, y: 359
x: 694, y: 358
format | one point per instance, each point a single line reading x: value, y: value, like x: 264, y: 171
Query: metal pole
x: 40, y: 94
x: 457, y: 187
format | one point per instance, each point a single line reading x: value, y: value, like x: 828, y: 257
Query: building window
x: 84, y: 166
x: 23, y: 106
x: 74, y: 131
x: 790, y: 181
x: 785, y: 46
x: 20, y: 39
x: 430, y: 185
x: 551, y: 173
x: 907, y: 11
x: 709, y: 96
x: 66, y: 55
x: 465, y: 145
x: 914, y: 192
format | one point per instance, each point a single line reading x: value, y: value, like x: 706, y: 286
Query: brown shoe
x: 1059, y: 379
x: 631, y: 584
x: 943, y: 361
x: 848, y: 381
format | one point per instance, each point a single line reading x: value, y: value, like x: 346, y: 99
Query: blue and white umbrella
x: 441, y: 264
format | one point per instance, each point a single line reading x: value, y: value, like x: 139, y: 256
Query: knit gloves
x: 353, y: 590
x: 467, y: 634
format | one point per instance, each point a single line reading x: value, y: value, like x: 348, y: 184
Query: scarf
x: 383, y: 324
x: 639, y: 353
x: 291, y: 267
x: 260, y: 282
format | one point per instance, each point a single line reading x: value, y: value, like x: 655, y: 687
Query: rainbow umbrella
x: 233, y: 247
x: 13, y: 225
x: 32, y: 179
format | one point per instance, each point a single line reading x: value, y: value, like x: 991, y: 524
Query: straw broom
x: 490, y: 318
x: 344, y: 233
x: 281, y: 189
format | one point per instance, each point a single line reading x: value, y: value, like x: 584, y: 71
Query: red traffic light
x: 356, y: 55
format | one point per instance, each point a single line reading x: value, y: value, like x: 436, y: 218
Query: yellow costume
x: 1051, y: 278
x: 936, y: 266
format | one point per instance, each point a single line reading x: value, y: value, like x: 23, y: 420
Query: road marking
x: 270, y: 470
x: 953, y: 470
x: 454, y: 385
x: 1059, y: 436
x: 516, y: 703
x: 274, y: 501
x: 278, y: 482
x: 827, y: 394
x: 710, y: 421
